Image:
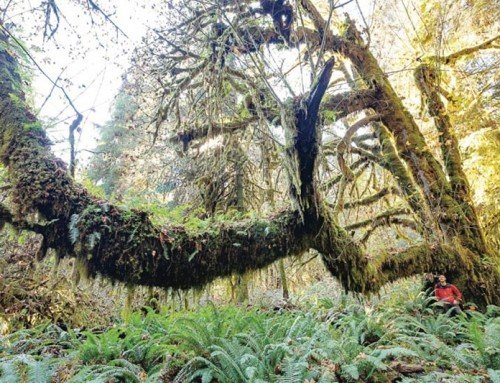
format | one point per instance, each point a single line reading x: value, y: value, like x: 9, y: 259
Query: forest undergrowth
x: 396, y: 337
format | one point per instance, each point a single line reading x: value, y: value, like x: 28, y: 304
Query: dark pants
x: 450, y: 308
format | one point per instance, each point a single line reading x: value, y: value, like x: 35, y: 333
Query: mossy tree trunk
x: 445, y: 191
x: 126, y: 246
x: 450, y: 205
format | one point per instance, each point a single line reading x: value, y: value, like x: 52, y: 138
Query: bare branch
x: 371, y: 199
x: 49, y: 30
x: 362, y: 164
x: 379, y: 217
x: 94, y: 7
x: 345, y: 143
x: 21, y: 46
x: 454, y: 57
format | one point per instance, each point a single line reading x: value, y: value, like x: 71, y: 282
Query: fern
x: 494, y: 375
x: 102, y: 348
x: 444, y: 378
x: 27, y: 368
x: 351, y: 371
x: 118, y: 369
x: 93, y: 239
x: 293, y: 371
x: 232, y: 345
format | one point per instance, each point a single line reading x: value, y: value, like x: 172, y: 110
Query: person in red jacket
x: 448, y: 295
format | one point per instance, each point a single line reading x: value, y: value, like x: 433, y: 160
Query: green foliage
x: 329, y: 116
x: 103, y: 348
x: 27, y: 368
x: 340, y: 340
x: 115, y: 370
x: 33, y: 355
x: 91, y: 187
x: 118, y: 139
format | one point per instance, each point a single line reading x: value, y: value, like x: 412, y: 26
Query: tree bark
x: 426, y: 78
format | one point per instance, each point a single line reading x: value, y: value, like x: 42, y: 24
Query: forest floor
x: 395, y: 337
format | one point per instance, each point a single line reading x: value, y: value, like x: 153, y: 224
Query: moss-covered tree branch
x: 382, y: 217
x: 122, y: 245
x: 427, y: 79
x: 372, y: 198
x: 188, y: 135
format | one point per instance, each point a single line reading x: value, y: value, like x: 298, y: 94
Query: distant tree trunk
x: 266, y: 147
x: 283, y: 279
x: 242, y: 289
x: 242, y: 293
x: 129, y: 301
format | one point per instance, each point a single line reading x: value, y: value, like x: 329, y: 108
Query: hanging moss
x: 129, y: 248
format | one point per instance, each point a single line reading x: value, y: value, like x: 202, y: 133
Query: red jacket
x: 448, y: 293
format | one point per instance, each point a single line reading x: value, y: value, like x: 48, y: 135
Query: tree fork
x: 302, y: 144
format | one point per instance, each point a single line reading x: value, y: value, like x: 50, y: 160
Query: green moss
x: 329, y: 116
x: 16, y: 100
x: 33, y: 126
x: 243, y: 112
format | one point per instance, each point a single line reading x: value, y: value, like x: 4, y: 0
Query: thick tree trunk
x: 427, y: 79
x: 452, y: 207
